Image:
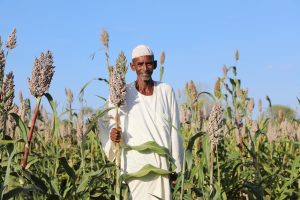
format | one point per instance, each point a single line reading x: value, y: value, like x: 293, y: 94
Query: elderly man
x: 149, y: 114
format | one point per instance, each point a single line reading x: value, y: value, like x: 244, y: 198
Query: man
x: 150, y: 113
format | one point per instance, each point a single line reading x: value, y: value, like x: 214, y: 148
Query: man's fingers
x: 115, y: 135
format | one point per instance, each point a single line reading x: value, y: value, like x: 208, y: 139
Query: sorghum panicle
x: 117, y: 85
x: 193, y: 93
x: 12, y: 40
x: 254, y: 128
x: 237, y: 56
x: 7, y: 93
x: 225, y: 70
x: 11, y: 123
x: 259, y: 105
x: 250, y: 105
x: 217, y: 88
x: 42, y: 74
x: 121, y: 63
x: 215, y: 124
x: 162, y: 58
x: 184, y: 114
x: 2, y: 64
x: 104, y: 37
x: 69, y: 95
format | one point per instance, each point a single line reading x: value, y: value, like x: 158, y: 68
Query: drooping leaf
x: 81, y: 92
x: 102, y: 98
x: 209, y: 94
x: 18, y: 190
x: 145, y: 170
x: 149, y: 147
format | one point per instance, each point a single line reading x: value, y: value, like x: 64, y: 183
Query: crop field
x: 233, y: 148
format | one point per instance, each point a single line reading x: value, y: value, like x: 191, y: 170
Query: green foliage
x: 287, y: 112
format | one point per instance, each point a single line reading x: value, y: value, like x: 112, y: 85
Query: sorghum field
x: 230, y: 153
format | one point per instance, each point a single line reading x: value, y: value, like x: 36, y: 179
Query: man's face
x: 144, y: 67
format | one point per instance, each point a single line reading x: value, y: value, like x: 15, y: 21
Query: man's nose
x: 144, y: 66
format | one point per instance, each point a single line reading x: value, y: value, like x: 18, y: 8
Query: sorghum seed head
x: 215, y: 124
x: 12, y: 40
x: 8, y: 89
x: 11, y: 123
x: 254, y: 128
x: 225, y: 70
x: 259, y: 105
x: 121, y: 63
x: 104, y: 37
x: 162, y: 58
x: 22, y: 110
x: 117, y: 84
x: 238, y: 119
x: 69, y: 95
x: 184, y: 113
x: 2, y: 64
x: 280, y: 115
x: 250, y: 105
x: 237, y: 56
x: 178, y: 93
x: 217, y: 88
x: 193, y: 93
x: 42, y: 74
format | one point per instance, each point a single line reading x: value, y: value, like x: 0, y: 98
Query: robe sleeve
x: 105, y: 125
x: 177, y: 149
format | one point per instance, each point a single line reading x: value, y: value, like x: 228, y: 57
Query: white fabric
x: 144, y: 119
x: 141, y: 50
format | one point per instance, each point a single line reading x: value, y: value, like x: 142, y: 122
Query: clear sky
x: 198, y: 37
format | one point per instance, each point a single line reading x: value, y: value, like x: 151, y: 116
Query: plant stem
x: 183, y: 174
x: 218, y: 166
x: 118, y: 162
x: 27, y: 146
x: 211, y: 165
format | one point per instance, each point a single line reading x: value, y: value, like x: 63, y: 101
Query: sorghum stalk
x: 118, y: 161
x: 117, y: 98
x: 218, y: 166
x: 183, y: 174
x: 39, y: 83
x: 211, y: 165
x: 215, y: 135
x: 26, y: 151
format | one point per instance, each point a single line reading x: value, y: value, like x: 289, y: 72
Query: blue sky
x: 198, y: 37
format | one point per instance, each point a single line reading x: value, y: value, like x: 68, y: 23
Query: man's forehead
x: 143, y: 58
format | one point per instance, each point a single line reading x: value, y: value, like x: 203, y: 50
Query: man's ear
x: 132, y: 66
x: 154, y: 64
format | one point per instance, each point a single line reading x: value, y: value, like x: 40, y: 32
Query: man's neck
x: 145, y: 87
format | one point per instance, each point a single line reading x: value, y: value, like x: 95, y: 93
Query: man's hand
x: 115, y: 135
x: 173, y: 178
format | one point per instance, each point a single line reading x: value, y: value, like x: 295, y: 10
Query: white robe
x: 143, y: 119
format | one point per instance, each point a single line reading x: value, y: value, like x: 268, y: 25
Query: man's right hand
x: 115, y: 135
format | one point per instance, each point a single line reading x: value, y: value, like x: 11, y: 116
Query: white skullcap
x: 141, y: 50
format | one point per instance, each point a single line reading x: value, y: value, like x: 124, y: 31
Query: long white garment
x: 143, y: 119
